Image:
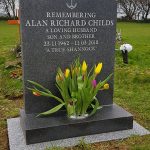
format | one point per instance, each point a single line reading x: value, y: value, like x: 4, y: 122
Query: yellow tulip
x: 84, y: 66
x: 98, y: 68
x: 67, y: 72
x: 106, y: 86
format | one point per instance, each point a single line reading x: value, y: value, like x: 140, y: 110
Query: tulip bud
x: 84, y: 67
x: 67, y: 72
x: 98, y: 68
x: 106, y: 86
x: 36, y: 94
x: 94, y: 83
x: 59, y: 77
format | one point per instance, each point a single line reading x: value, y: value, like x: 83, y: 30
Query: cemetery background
x: 14, y: 72
x: 131, y: 82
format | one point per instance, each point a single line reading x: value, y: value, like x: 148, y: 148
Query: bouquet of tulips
x: 78, y: 88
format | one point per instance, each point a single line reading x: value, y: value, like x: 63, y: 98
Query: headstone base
x: 108, y: 119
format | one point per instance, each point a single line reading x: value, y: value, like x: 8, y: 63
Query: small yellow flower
x: 98, y: 68
x: 67, y: 72
x: 84, y: 66
x: 106, y: 86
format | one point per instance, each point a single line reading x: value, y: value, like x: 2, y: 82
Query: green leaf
x: 61, y: 92
x: 90, y: 72
x: 80, y: 82
x: 74, y: 94
x: 38, y: 85
x: 86, y: 99
x: 92, y: 106
x: 51, y: 111
x: 101, y: 84
x: 31, y: 89
x: 70, y: 110
x: 48, y: 95
x: 57, y: 98
x: 79, y: 103
x: 95, y: 107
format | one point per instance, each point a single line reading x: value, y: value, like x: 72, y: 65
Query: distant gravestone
x: 54, y: 33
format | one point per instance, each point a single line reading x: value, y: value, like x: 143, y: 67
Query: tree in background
x: 9, y: 7
x: 144, y: 6
x: 5, y: 8
x: 134, y: 9
x: 129, y: 7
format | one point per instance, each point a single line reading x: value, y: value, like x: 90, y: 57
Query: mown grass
x: 132, y: 81
x: 132, y: 85
x: 8, y: 86
x: 9, y: 38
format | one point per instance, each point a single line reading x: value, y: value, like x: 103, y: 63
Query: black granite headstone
x: 54, y: 33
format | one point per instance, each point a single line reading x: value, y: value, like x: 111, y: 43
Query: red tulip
x: 36, y: 94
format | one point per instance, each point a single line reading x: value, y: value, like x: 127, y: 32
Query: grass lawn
x: 9, y: 37
x: 132, y: 85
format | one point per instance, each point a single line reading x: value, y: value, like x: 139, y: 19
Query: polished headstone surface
x: 17, y: 140
x: 53, y: 35
x: 59, y: 126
